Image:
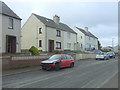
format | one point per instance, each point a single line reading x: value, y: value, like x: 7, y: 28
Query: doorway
x: 51, y: 45
x: 10, y: 44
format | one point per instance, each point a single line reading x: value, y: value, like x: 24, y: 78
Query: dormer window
x: 58, y: 33
x: 40, y: 30
x: 10, y: 23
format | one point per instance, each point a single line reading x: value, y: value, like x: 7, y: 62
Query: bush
x: 34, y: 50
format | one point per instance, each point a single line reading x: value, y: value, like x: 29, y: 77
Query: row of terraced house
x: 44, y: 33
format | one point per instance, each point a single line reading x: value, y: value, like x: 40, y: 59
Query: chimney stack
x: 86, y: 29
x: 56, y: 19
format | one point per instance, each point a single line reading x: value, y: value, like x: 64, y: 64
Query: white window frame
x: 40, y: 30
x: 69, y: 45
x: 10, y: 24
x: 58, y: 45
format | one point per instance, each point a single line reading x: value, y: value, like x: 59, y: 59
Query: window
x: 10, y: 23
x: 63, y: 57
x: 68, y: 35
x: 58, y: 33
x: 58, y: 45
x: 69, y: 45
x: 69, y: 57
x: 89, y: 45
x: 40, y: 30
x: 40, y: 43
x: 81, y: 45
x: 89, y: 38
x: 81, y: 37
x: 55, y: 57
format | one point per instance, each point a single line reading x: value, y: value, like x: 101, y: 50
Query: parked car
x: 103, y: 56
x: 97, y: 51
x: 58, y: 61
x: 111, y: 54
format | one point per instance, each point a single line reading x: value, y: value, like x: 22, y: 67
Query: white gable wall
x: 79, y: 39
x: 30, y: 34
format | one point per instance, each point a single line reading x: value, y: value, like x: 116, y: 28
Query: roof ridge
x: 42, y: 16
x: 51, y: 23
x: 86, y: 33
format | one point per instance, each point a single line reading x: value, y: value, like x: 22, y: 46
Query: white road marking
x: 107, y: 80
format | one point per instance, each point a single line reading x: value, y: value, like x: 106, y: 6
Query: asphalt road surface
x: 85, y: 74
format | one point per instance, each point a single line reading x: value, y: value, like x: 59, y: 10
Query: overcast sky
x: 100, y: 17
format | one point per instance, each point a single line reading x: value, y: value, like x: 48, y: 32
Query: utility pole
x: 112, y: 44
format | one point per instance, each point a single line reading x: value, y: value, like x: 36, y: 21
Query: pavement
x: 20, y: 70
x: 25, y: 69
x: 85, y: 74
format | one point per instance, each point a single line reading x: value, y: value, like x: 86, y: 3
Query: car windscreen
x: 54, y: 57
x: 110, y: 53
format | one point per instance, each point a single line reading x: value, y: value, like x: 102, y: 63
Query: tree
x: 99, y: 45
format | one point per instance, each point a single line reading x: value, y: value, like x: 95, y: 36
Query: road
x: 85, y: 74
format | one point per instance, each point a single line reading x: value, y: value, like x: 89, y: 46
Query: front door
x: 10, y: 44
x: 51, y: 45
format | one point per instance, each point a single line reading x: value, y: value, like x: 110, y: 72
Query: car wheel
x: 57, y: 67
x: 71, y: 65
x: 105, y: 58
x: 43, y: 69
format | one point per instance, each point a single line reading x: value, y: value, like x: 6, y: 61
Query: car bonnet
x: 49, y: 61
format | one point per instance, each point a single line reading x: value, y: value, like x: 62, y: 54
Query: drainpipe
x: 37, y: 36
x: 46, y: 38
x: 76, y: 47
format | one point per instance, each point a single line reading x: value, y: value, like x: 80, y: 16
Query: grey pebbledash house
x: 11, y: 30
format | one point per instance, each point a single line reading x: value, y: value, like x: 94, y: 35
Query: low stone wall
x: 29, y: 57
x: 84, y: 56
x: 9, y: 62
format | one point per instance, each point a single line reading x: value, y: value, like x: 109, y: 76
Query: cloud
x: 108, y: 41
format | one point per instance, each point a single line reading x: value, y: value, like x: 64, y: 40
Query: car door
x: 69, y: 60
x: 63, y: 61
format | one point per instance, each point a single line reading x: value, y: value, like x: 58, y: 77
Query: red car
x: 58, y: 61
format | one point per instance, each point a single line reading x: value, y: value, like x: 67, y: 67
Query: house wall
x: 79, y: 39
x: 30, y: 34
x: 51, y: 35
x: 70, y: 38
x: 93, y: 42
x: 85, y: 41
x: 12, y: 32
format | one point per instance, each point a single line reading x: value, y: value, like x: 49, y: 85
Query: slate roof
x: 86, y: 33
x: 50, y: 23
x: 7, y: 11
